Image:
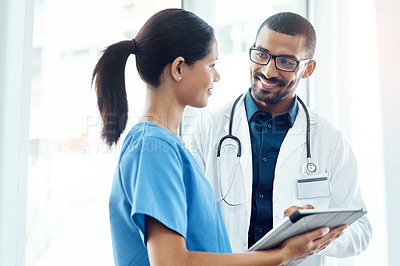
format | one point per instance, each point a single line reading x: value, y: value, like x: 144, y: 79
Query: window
x: 71, y: 170
x: 235, y: 34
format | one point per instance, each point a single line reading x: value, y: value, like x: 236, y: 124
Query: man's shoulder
x: 216, y: 114
x: 322, y: 124
x: 211, y: 122
x: 320, y: 120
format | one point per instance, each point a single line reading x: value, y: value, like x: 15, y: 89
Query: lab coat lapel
x: 240, y: 129
x: 239, y: 115
x: 295, y: 137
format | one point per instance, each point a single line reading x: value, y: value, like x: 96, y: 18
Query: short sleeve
x: 155, y: 182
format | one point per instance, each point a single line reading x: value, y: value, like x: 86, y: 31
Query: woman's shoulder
x: 149, y: 137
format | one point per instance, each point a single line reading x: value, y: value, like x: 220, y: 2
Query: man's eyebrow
x: 283, y: 55
x: 262, y: 49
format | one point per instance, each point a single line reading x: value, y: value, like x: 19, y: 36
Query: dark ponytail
x: 167, y: 35
x: 109, y: 76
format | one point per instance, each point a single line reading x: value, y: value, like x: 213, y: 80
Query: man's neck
x: 276, y: 108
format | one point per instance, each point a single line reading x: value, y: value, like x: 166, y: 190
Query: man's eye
x: 262, y: 55
x: 288, y: 62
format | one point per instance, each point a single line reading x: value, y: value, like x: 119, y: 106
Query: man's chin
x: 266, y: 97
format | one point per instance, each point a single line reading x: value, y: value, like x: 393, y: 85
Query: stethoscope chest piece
x: 309, y: 168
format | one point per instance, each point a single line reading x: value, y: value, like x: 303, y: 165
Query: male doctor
x: 256, y: 182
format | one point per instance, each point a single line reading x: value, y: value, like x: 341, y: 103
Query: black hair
x: 292, y: 24
x: 168, y: 34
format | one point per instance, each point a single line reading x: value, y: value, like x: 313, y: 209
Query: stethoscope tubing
x: 231, y: 136
x: 310, y: 167
x: 308, y: 137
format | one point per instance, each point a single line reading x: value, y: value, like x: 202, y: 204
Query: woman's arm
x: 166, y: 247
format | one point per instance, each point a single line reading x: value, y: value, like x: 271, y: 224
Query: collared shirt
x: 267, y: 134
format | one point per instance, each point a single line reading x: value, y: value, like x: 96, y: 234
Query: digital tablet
x: 303, y: 221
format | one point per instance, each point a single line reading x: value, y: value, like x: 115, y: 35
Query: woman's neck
x: 162, y: 109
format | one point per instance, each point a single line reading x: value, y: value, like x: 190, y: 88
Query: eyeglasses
x: 281, y: 62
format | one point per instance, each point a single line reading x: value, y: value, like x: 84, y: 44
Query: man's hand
x: 292, y: 209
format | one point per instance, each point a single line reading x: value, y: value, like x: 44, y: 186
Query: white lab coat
x: 329, y: 150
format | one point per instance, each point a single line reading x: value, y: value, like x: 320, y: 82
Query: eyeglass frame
x: 298, y: 62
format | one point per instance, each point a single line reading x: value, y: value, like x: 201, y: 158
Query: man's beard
x: 268, y: 97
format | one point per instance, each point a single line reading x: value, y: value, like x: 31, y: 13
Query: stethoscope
x: 308, y: 168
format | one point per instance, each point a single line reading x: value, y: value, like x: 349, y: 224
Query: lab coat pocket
x: 313, y: 186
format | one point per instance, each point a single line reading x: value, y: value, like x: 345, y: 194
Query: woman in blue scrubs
x: 162, y: 209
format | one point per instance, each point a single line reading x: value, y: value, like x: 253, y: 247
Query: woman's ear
x: 310, y: 69
x: 177, y: 68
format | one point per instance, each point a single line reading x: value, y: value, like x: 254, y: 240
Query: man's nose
x: 270, y: 70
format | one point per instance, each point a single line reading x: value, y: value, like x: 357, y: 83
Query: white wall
x: 356, y: 87
x: 16, y: 18
x: 387, y: 12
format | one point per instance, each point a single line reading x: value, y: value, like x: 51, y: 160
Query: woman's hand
x: 307, y: 244
x: 166, y: 247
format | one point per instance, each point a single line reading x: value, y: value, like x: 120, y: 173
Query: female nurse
x: 162, y: 209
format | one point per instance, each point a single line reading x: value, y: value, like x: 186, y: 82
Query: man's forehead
x: 281, y: 43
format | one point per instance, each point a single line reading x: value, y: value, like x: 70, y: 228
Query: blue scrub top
x: 157, y: 176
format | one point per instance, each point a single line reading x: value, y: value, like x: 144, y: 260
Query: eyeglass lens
x: 282, y: 63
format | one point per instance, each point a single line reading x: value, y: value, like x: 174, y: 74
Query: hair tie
x: 133, y: 48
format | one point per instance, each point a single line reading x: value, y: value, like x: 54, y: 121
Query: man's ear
x: 177, y: 68
x: 310, y: 69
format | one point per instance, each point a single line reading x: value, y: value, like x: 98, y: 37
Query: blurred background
x: 55, y: 171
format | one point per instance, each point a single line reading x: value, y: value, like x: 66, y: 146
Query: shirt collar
x: 252, y: 108
x: 292, y: 112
